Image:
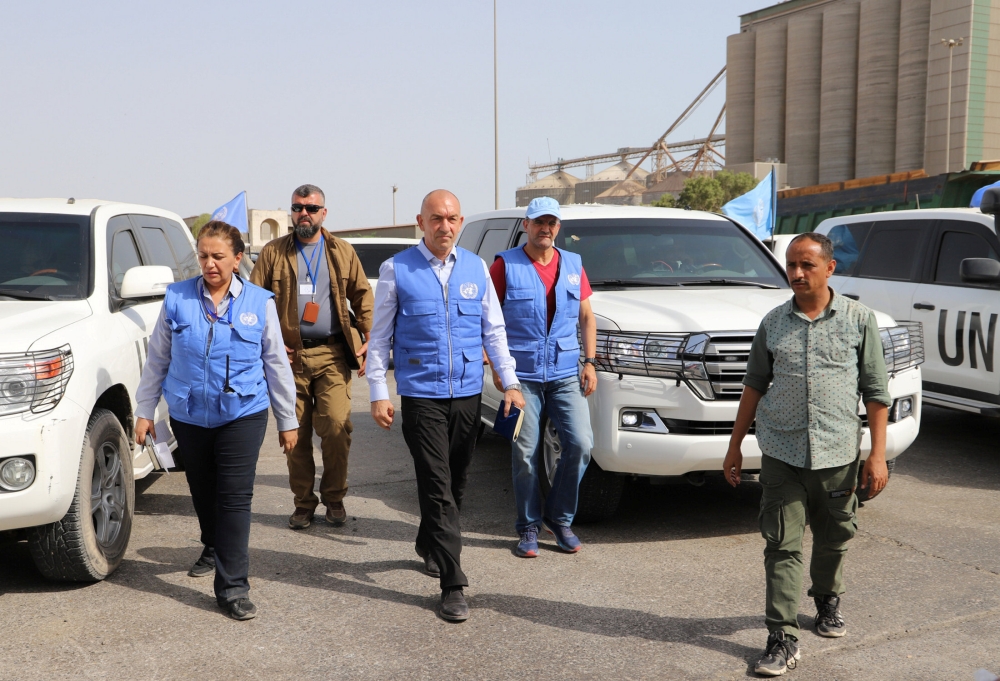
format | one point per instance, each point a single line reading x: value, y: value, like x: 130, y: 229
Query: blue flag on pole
x: 234, y: 213
x: 757, y: 210
x: 977, y: 198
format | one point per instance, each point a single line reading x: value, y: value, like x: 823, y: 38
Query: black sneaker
x: 829, y: 621
x: 453, y: 606
x: 241, y: 609
x: 205, y: 565
x: 781, y: 654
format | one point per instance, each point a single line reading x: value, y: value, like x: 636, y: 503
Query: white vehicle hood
x: 24, y: 322
x: 686, y: 310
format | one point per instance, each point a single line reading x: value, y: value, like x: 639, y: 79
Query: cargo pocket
x: 772, y: 517
x: 519, y: 303
x: 472, y: 372
x: 176, y: 394
x: 232, y: 404
x: 525, y: 354
x: 567, y: 353
x: 842, y: 523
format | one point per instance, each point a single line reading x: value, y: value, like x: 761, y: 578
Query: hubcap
x: 107, y: 495
x: 551, y: 450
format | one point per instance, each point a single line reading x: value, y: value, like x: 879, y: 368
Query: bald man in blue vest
x: 436, y: 306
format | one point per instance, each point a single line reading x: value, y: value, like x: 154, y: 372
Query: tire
x: 862, y: 494
x: 88, y: 544
x: 600, y: 491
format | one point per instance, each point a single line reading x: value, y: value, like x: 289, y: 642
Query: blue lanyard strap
x: 309, y: 261
x: 212, y: 317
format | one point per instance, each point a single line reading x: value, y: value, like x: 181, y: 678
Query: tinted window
x: 373, y: 255
x: 159, y: 250
x: 124, y: 256
x: 187, y: 259
x: 494, y: 242
x: 470, y: 235
x: 956, y: 247
x: 44, y: 256
x: 847, y: 242
x: 893, y: 250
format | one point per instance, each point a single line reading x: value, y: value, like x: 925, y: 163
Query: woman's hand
x: 143, y: 426
x: 288, y: 439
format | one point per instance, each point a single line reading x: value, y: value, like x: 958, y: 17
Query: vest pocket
x: 525, y: 354
x: 519, y: 303
x: 417, y: 367
x: 177, y: 395
x: 567, y: 352
x: 232, y: 404
x: 472, y: 372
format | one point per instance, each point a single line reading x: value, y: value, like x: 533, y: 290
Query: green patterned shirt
x: 812, y: 372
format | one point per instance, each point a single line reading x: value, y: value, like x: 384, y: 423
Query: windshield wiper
x: 632, y: 282
x: 21, y: 296
x: 725, y: 282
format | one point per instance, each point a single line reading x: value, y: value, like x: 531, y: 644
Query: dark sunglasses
x: 312, y: 210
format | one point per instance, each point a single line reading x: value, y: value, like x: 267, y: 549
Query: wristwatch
x: 512, y: 386
x: 589, y: 360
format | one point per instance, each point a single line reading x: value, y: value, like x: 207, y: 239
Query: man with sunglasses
x: 313, y: 276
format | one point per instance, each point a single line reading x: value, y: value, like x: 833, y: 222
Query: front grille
x: 726, y: 358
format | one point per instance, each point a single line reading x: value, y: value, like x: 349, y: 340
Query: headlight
x: 903, y: 346
x: 34, y: 381
x: 661, y: 355
x: 16, y: 474
x: 901, y: 408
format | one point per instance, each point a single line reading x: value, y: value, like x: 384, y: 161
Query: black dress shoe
x: 205, y: 565
x: 241, y: 609
x: 430, y: 565
x: 453, y: 606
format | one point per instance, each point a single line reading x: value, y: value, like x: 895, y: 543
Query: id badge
x: 311, y: 313
x: 306, y: 289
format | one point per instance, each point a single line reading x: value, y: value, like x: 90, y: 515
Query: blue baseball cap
x: 543, y: 205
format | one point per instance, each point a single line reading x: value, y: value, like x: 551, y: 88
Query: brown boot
x: 336, y: 514
x: 301, y: 519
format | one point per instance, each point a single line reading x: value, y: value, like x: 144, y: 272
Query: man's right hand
x: 382, y: 412
x: 732, y: 467
x: 143, y: 426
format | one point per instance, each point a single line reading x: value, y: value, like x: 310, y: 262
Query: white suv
x: 81, y: 286
x: 678, y: 296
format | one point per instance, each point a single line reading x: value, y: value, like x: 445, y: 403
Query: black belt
x: 308, y: 343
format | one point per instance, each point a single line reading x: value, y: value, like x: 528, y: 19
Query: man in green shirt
x: 811, y: 359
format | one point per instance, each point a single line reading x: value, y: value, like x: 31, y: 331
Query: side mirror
x: 146, y: 282
x: 991, y: 202
x: 980, y: 270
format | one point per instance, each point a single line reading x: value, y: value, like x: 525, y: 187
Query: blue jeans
x: 563, y: 402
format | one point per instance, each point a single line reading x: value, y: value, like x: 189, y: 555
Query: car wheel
x: 600, y: 491
x: 862, y: 494
x: 89, y: 542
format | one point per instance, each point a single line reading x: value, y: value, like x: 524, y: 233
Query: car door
x: 848, y: 240
x: 959, y: 318
x: 890, y: 266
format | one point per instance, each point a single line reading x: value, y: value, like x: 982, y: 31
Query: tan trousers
x: 323, y: 403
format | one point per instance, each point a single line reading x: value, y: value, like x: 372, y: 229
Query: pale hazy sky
x: 183, y: 104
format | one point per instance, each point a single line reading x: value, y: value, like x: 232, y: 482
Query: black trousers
x: 441, y: 436
x: 220, y: 465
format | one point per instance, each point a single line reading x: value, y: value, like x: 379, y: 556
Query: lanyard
x: 309, y: 261
x: 212, y: 317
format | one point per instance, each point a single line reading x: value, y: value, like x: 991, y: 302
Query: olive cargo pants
x: 794, y: 496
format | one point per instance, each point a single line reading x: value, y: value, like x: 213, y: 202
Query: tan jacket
x: 277, y: 270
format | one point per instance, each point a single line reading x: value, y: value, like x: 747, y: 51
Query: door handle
x: 922, y: 306
x: 852, y: 296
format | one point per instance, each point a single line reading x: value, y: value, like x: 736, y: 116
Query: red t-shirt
x: 547, y: 273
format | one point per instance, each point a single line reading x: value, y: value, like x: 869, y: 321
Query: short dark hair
x: 825, y: 245
x: 308, y: 189
x: 224, y: 231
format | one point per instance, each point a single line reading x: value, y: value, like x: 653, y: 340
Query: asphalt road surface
x: 671, y: 588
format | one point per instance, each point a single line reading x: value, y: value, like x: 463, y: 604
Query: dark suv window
x: 847, y: 243
x: 166, y: 246
x: 124, y: 255
x: 470, y: 235
x: 45, y: 256
x: 494, y: 241
x: 893, y: 250
x: 956, y: 247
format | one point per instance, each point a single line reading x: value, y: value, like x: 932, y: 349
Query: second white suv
x: 678, y: 296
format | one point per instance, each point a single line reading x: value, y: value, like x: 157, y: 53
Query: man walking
x: 544, y: 293
x: 809, y: 361
x: 313, y: 275
x: 436, y: 304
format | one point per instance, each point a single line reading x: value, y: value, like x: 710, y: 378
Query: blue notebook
x: 508, y: 426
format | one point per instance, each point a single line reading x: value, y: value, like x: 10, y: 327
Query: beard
x: 306, y: 230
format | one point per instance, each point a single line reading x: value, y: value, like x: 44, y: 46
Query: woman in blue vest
x: 217, y: 357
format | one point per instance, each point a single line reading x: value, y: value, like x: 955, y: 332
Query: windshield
x: 373, y: 255
x: 668, y: 252
x: 44, y: 256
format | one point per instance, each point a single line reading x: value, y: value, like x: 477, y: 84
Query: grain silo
x: 740, y: 50
x: 560, y: 185
x: 769, y: 99
x: 805, y: 35
x: 878, y: 75
x: 627, y: 193
x: 838, y: 93
x: 911, y: 95
x: 588, y: 190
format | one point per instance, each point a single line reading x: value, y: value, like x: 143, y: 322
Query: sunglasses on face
x: 312, y: 210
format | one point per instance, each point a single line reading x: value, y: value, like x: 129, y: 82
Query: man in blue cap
x: 545, y: 295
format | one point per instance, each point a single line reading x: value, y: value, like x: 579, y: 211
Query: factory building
x: 560, y: 185
x: 588, y: 190
x: 844, y: 89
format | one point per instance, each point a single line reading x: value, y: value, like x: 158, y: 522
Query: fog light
x: 902, y: 409
x: 16, y: 474
x: 630, y: 419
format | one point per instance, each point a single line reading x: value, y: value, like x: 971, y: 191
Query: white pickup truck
x: 81, y: 286
x: 678, y: 296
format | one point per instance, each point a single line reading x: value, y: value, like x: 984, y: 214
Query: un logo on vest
x: 573, y: 279
x: 468, y: 290
x: 248, y: 318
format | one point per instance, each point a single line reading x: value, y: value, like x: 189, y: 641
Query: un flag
x: 757, y: 210
x: 234, y: 213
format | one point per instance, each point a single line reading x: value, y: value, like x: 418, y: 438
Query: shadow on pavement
x: 954, y: 448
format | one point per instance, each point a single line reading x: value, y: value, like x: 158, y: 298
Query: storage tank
x: 628, y: 193
x: 560, y: 185
x: 878, y: 69
x: 911, y: 95
x: 838, y: 93
x: 740, y: 97
x: 769, y: 98
x: 588, y: 190
x: 805, y: 38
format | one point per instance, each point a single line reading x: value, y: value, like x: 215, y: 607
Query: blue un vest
x: 438, y: 339
x: 193, y: 387
x: 542, y: 354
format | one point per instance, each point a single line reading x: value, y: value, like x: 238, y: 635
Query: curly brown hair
x: 224, y: 231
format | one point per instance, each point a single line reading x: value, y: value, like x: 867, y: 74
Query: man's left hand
x: 362, y: 358
x: 512, y: 397
x: 288, y: 439
x: 588, y: 380
x: 875, y: 475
